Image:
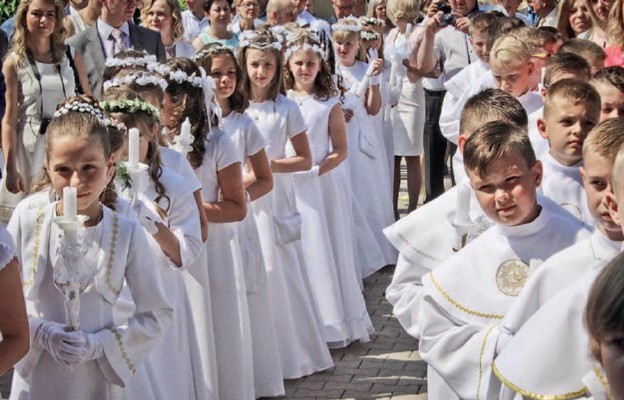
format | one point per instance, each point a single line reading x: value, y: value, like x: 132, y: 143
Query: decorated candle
x: 70, y: 206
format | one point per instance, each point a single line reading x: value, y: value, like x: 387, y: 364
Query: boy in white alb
x: 571, y: 110
x: 465, y: 298
x: 562, y: 271
x: 560, y: 66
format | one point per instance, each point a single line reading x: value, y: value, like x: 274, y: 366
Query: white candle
x: 70, y: 206
x: 185, y: 131
x: 133, y: 148
x: 463, y: 204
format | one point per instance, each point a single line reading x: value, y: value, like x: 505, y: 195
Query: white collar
x: 106, y: 29
x: 569, y: 170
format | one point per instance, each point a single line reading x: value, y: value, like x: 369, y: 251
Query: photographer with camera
x: 40, y: 71
x: 444, y: 52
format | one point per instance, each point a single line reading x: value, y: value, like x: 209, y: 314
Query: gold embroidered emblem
x: 511, y: 276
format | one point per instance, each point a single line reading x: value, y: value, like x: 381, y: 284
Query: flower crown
x: 214, y: 49
x: 131, y: 106
x: 341, y: 26
x: 248, y: 39
x: 82, y: 107
x: 369, y: 35
x: 120, y: 126
x: 131, y: 61
x: 177, y: 75
x: 305, y: 46
x: 139, y: 78
x: 371, y: 21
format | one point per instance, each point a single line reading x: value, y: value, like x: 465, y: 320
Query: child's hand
x: 14, y: 182
x: 348, y: 114
x: 377, y: 67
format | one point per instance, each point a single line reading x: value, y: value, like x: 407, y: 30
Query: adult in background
x: 574, y: 18
x: 219, y: 14
x: 445, y: 51
x: 165, y: 17
x: 194, y: 19
x: 246, y: 18
x: 280, y: 12
x: 38, y: 72
x: 377, y: 9
x: 342, y: 9
x: 110, y: 34
x: 546, y: 11
x: 81, y: 20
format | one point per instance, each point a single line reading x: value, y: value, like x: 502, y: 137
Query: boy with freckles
x: 562, y: 270
x: 467, y: 296
x: 571, y: 110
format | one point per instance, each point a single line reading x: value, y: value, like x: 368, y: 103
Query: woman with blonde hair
x: 165, y: 16
x: 599, y: 12
x: 40, y: 71
x: 377, y: 9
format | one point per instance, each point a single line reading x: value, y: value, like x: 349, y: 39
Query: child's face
x: 481, y: 45
x: 596, y: 172
x: 261, y: 67
x: 304, y: 65
x: 80, y: 163
x: 612, y: 356
x: 611, y: 99
x: 566, y: 126
x: 346, y: 51
x: 507, y: 192
x: 512, y: 78
x: 223, y: 71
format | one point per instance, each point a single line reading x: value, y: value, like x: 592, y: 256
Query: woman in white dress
x: 302, y: 348
x: 38, y: 75
x: 165, y: 16
x: 105, y: 355
x: 220, y: 64
x: 79, y: 21
x: 326, y: 233
x: 218, y: 168
x: 165, y: 207
x: 408, y: 117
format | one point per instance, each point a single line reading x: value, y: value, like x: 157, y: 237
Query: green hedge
x: 7, y: 9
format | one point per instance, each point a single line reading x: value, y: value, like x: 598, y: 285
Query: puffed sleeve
x: 127, y: 345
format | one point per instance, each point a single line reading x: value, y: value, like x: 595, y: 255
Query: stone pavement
x: 388, y: 367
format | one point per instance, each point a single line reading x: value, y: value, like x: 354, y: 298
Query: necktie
x: 118, y: 43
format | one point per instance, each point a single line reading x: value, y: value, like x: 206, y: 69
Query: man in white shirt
x: 546, y: 11
x: 194, y: 19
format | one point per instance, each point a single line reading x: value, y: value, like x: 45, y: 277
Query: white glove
x: 147, y: 217
x: 60, y: 344
x: 90, y: 349
x: 314, y: 171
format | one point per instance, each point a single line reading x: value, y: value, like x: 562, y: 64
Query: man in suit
x: 111, y: 33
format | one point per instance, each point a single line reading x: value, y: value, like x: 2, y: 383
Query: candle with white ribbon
x: 133, y: 148
x: 70, y: 203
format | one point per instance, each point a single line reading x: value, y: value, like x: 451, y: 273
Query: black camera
x: 447, y: 18
x: 43, y: 127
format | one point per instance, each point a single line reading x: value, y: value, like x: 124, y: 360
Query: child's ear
x: 612, y: 204
x: 531, y: 66
x: 537, y: 171
x: 541, y: 127
x: 543, y: 92
x: 461, y: 142
x: 583, y: 175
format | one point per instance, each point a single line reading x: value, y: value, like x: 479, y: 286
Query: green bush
x: 7, y: 9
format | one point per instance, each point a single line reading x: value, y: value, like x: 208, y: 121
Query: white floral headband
x: 306, y: 46
x: 131, y: 61
x: 81, y: 107
x: 177, y: 75
x: 372, y: 21
x: 369, y: 35
x: 139, y: 78
x: 247, y: 40
x: 342, y: 26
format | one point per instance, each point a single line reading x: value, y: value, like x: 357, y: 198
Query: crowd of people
x: 191, y: 199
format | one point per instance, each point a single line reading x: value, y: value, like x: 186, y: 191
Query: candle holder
x: 182, y: 142
x: 138, y: 180
x: 73, y: 271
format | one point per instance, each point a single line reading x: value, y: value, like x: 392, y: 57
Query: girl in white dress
x: 302, y: 348
x: 165, y: 206
x: 220, y: 63
x: 218, y: 167
x: 326, y: 233
x: 101, y: 357
x: 367, y: 157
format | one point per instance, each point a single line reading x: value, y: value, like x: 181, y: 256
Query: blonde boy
x: 565, y: 268
x: 465, y: 298
x: 571, y: 110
